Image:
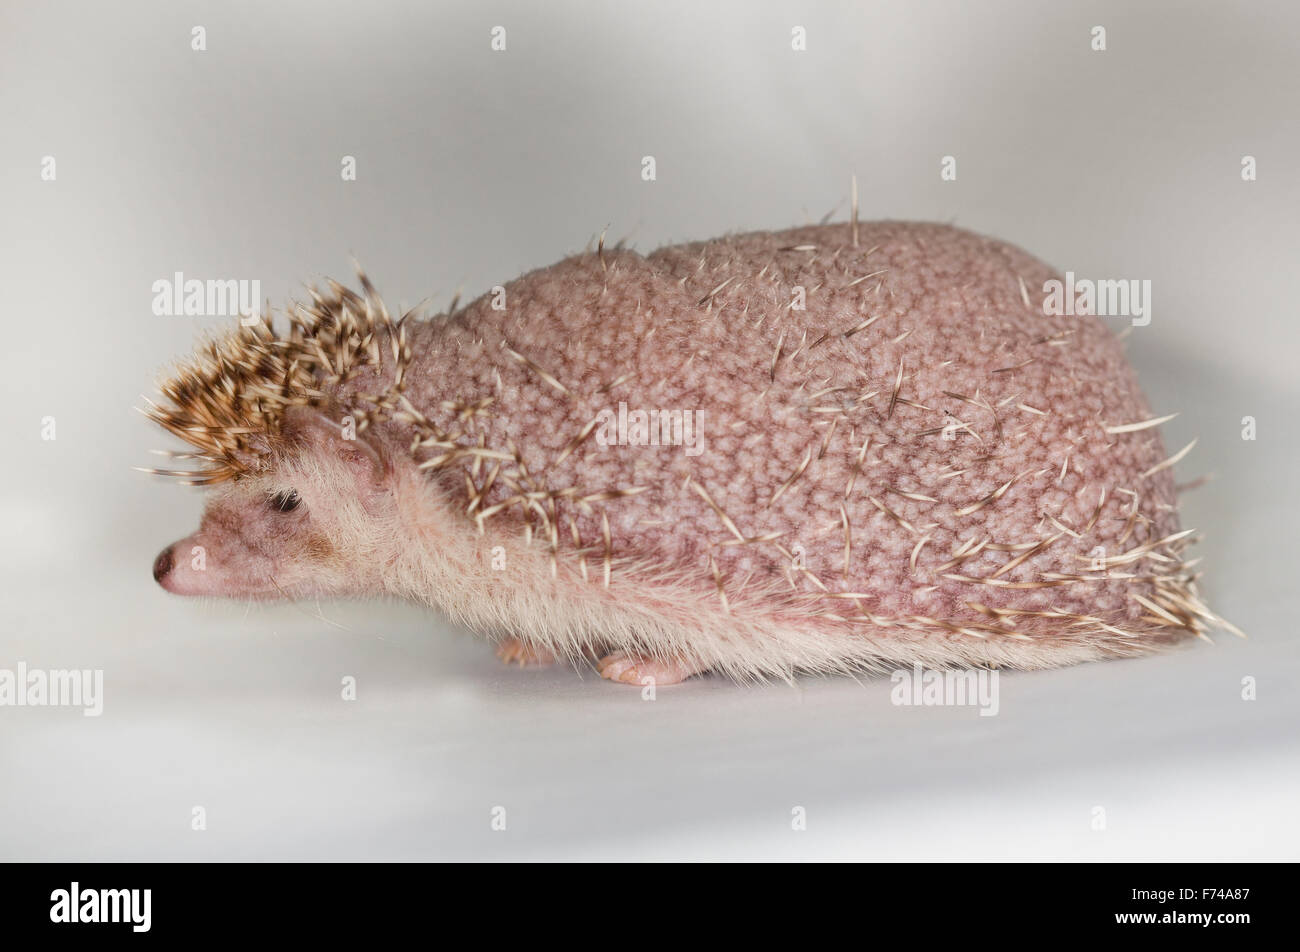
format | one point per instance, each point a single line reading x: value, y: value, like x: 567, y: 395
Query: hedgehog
x: 831, y: 449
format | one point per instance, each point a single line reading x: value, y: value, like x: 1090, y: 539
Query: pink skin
x: 255, y: 541
x: 269, y: 537
x: 517, y: 651
x: 941, y: 454
x: 239, y: 550
x: 251, y: 544
x: 279, y: 534
x: 632, y: 669
x: 212, y: 562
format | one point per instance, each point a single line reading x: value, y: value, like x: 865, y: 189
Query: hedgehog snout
x: 162, y: 565
x: 181, y: 576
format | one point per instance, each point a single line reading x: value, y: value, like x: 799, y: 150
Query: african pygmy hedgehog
x: 824, y: 449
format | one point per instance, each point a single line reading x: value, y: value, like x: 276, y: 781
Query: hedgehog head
x: 280, y: 429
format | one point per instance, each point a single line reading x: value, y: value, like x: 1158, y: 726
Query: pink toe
x: 516, y: 651
x: 631, y: 669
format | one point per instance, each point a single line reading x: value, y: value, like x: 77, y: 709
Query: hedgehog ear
x: 310, y: 424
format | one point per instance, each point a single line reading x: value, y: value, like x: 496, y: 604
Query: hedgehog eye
x: 286, y: 500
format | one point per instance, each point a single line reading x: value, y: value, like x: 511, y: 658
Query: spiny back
x: 892, y: 429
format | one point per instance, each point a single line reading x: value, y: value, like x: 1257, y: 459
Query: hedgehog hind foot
x: 629, y: 668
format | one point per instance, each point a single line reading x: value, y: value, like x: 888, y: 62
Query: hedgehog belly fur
x: 666, y: 615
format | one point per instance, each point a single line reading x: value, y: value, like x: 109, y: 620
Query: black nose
x: 163, y: 564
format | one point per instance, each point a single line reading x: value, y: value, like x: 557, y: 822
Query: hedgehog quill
x: 900, y: 460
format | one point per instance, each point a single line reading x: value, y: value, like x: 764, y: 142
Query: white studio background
x: 474, y: 166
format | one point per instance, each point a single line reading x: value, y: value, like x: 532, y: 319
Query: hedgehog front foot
x: 517, y: 651
x: 635, y: 669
